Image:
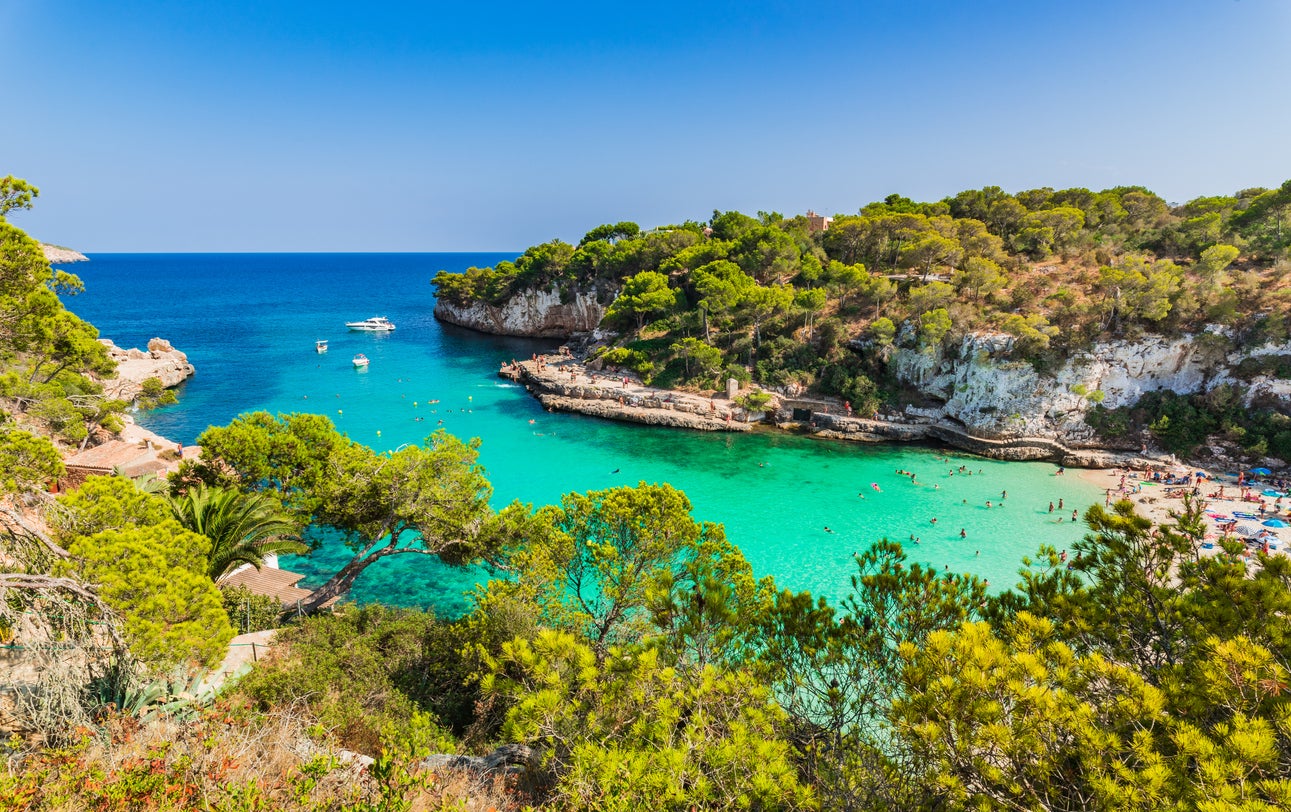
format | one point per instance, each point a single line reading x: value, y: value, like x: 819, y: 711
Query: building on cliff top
x: 818, y: 222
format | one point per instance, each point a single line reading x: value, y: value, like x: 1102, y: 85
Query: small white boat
x: 320, y: 345
x: 360, y: 361
x: 376, y: 324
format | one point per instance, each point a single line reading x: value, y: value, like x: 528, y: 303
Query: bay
x: 248, y: 323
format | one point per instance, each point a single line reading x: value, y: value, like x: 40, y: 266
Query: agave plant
x: 243, y: 527
x: 180, y: 696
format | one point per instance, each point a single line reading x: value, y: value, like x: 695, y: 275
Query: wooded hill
x: 780, y: 302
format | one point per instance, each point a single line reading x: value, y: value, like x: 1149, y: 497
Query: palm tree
x: 243, y: 527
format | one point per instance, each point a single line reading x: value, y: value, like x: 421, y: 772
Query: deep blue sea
x: 248, y: 322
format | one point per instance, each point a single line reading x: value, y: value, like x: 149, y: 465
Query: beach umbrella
x: 1274, y: 523
x: 1261, y: 471
x: 1245, y: 530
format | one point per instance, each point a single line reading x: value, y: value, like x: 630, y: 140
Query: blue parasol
x: 1261, y: 471
x: 1274, y: 523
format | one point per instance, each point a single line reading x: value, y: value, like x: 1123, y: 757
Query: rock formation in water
x: 135, y: 366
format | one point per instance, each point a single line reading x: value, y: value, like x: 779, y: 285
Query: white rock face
x: 135, y: 366
x: 995, y: 396
x: 536, y: 313
x: 60, y: 256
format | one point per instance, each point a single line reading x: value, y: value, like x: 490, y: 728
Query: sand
x: 1153, y: 502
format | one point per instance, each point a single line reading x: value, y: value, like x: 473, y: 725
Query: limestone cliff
x: 59, y: 256
x: 135, y: 366
x: 976, y: 384
x: 539, y: 313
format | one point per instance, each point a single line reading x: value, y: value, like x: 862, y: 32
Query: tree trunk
x: 341, y: 582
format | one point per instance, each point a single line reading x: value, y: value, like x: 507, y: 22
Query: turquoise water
x: 249, y: 321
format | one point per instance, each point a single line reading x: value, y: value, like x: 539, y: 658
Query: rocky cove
x: 973, y: 394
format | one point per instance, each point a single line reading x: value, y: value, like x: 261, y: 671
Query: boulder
x: 134, y: 366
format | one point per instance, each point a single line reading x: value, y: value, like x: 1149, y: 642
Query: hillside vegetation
x: 625, y: 656
x: 773, y: 300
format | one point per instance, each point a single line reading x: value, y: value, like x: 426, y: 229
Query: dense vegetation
x: 1182, y: 423
x: 638, y: 662
x: 775, y: 300
x: 49, y: 357
x: 625, y: 654
x: 634, y: 659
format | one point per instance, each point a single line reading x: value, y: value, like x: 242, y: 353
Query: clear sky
x: 154, y: 125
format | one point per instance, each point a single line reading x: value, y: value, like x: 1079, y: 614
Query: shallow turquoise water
x: 249, y: 322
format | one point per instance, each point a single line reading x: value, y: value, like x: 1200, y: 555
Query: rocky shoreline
x: 134, y: 366
x: 562, y: 383
x: 56, y: 255
x: 534, y: 313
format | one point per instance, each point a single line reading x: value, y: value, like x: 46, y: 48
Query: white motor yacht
x: 360, y: 361
x: 376, y: 324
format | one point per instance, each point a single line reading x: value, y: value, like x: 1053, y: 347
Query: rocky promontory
x: 134, y: 366
x: 563, y: 384
x: 58, y: 255
x: 536, y: 313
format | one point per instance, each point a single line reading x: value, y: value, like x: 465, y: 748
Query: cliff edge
x: 59, y: 256
x: 534, y: 312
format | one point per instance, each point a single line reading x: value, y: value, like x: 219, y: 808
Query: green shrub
x: 365, y: 673
x: 250, y: 612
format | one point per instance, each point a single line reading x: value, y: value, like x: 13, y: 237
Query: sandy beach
x: 1158, y: 501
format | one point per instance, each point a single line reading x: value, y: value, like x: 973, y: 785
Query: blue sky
x: 324, y: 126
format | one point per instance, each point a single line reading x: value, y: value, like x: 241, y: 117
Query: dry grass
x: 229, y: 759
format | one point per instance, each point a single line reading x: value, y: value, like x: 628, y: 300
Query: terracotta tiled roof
x: 109, y: 455
x: 273, y: 582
